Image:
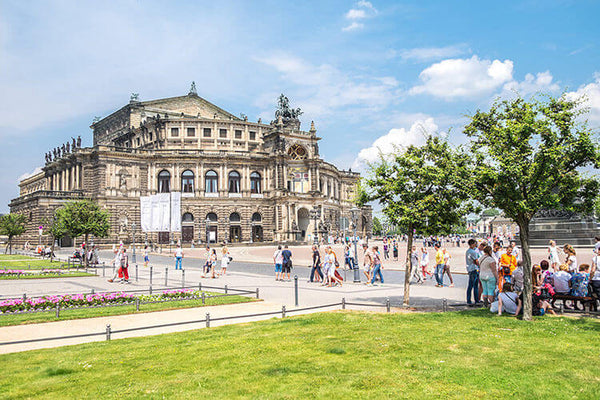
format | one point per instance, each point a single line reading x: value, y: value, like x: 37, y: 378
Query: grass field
x: 46, y: 276
x: 14, y: 261
x: 49, y: 316
x: 459, y: 355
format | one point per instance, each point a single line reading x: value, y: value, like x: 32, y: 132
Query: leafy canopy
x: 419, y: 187
x: 528, y: 156
x: 82, y: 218
x: 12, y: 225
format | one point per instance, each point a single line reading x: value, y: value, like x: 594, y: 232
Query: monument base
x: 563, y: 228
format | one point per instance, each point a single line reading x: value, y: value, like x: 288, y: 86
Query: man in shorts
x: 278, y: 261
x: 286, y: 266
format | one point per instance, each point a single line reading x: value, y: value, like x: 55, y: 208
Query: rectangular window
x: 252, y: 135
x: 191, y: 132
x: 138, y: 142
x: 207, y: 132
x: 150, y: 136
x: 223, y: 133
x: 174, y: 132
x: 238, y: 134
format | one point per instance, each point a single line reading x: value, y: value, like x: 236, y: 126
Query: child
x: 146, y: 256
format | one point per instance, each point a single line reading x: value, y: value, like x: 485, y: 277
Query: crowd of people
x: 496, y: 277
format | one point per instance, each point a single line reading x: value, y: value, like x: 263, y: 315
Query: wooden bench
x: 588, y: 301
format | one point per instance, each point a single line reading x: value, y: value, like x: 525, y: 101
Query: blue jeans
x: 316, y: 269
x: 473, y: 285
x: 377, y: 270
x: 439, y: 274
x: 178, y: 262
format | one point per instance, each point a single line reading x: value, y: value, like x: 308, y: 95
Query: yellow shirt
x: 439, y: 257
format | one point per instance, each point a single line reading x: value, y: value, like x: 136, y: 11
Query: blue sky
x: 370, y: 74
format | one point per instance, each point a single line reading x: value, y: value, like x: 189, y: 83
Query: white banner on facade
x: 161, y: 212
x: 175, y: 212
x: 146, y: 213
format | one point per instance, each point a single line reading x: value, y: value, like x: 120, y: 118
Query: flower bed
x: 88, y: 300
x: 11, y: 272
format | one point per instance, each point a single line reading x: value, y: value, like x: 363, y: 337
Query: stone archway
x: 303, y: 221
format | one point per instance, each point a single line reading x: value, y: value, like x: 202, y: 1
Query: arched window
x: 212, y: 217
x: 164, y: 181
x: 187, y: 181
x: 211, y: 181
x: 256, y: 217
x: 234, y: 217
x: 234, y: 182
x: 255, y: 186
x: 187, y: 217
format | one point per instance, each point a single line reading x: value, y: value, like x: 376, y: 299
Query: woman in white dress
x: 571, y: 260
x: 224, y: 259
x: 327, y: 264
x: 553, y: 255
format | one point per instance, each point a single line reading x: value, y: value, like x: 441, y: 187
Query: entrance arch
x: 303, y: 221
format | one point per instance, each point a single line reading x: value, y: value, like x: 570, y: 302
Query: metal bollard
x: 225, y: 289
x: 257, y: 293
x: 108, y: 332
x: 58, y: 311
x: 296, y: 290
x: 203, y: 298
x: 166, y: 276
x: 103, y: 269
x: 387, y: 304
x: 343, y: 303
x: 150, y: 290
x: 136, y: 272
x: 282, y: 311
x: 444, y: 305
x: 24, y: 297
x: 183, y: 278
x: 150, y: 275
x: 93, y: 291
x: 137, y: 304
x: 200, y: 286
x: 208, y: 320
x: 561, y: 308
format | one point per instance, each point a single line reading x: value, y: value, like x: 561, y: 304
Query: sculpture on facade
x: 284, y: 111
x: 193, y: 89
x: 79, y: 142
x: 68, y: 146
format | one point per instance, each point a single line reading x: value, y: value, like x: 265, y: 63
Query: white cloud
x: 356, y: 14
x: 323, y: 89
x: 353, y: 27
x: 590, y: 93
x: 463, y: 78
x: 397, y: 137
x: 540, y: 82
x: 36, y: 171
x: 363, y: 10
x: 434, y: 53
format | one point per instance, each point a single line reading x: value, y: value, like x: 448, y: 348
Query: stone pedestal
x: 563, y: 228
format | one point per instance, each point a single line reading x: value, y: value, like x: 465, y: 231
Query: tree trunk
x: 527, y: 289
x: 408, y: 269
x: 52, y: 250
x: 85, y: 250
x: 9, y: 245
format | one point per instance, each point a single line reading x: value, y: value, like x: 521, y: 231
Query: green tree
x: 377, y: 227
x: 527, y: 156
x: 56, y: 228
x: 12, y: 225
x: 418, y: 189
x: 83, y: 217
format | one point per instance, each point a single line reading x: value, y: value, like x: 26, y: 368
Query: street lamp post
x: 315, y: 214
x: 207, y: 236
x: 354, y: 211
x: 133, y: 258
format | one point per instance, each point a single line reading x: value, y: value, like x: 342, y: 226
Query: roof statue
x: 193, y: 89
x: 284, y: 111
x: 134, y: 97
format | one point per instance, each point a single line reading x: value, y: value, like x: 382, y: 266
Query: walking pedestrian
x: 316, y: 265
x: 146, y: 256
x: 367, y: 262
x: 425, y: 262
x: 178, y: 257
x: 446, y: 270
x: 225, y: 259
x: 439, y: 265
x: 414, y: 265
x: 377, y: 267
x: 471, y: 257
x: 278, y: 261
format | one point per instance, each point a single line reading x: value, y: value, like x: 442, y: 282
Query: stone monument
x: 563, y: 227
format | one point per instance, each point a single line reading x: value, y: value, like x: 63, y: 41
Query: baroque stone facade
x: 241, y: 181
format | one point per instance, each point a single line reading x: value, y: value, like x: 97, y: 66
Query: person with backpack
x: 508, y: 301
x: 286, y: 267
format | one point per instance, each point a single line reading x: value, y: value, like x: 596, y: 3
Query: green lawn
x: 468, y: 355
x: 49, y: 316
x: 46, y: 276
